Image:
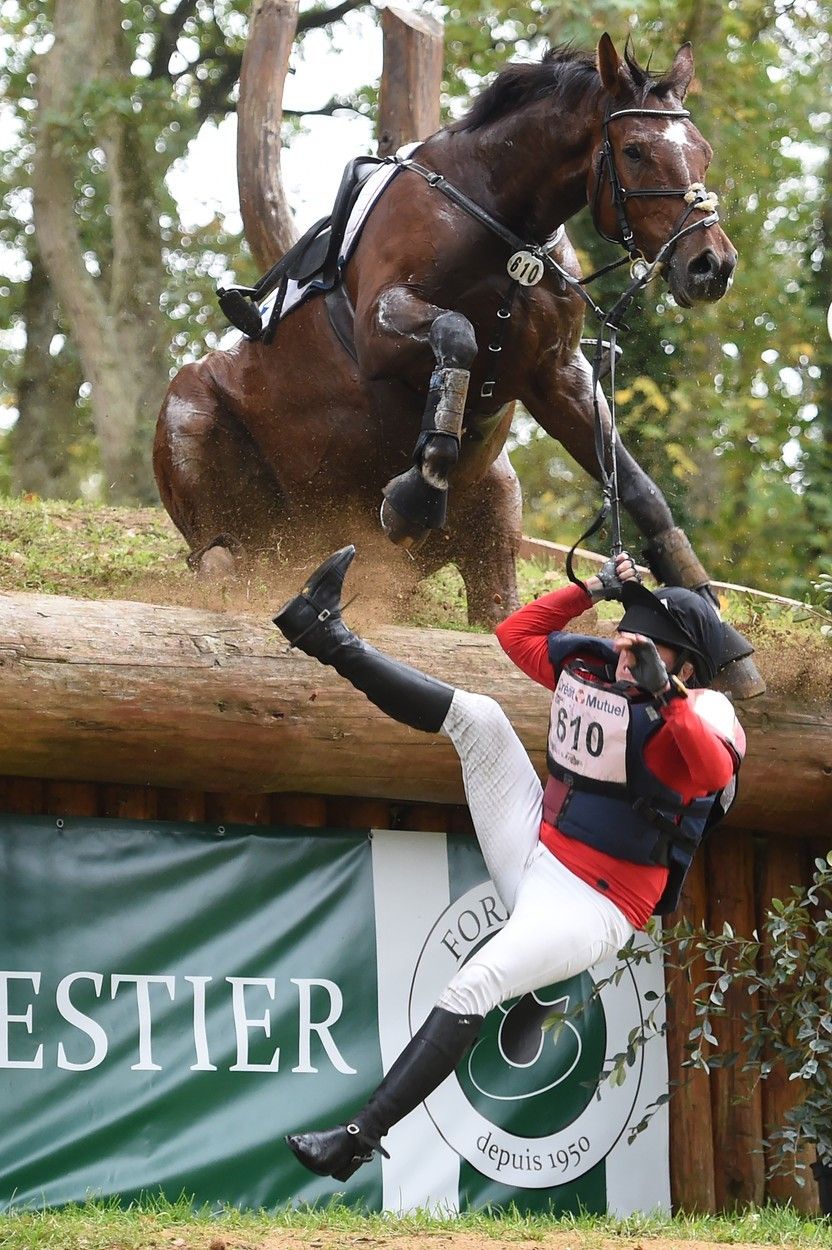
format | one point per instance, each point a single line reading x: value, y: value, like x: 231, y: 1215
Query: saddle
x: 314, y: 261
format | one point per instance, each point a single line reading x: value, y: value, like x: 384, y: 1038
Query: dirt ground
x: 440, y: 1240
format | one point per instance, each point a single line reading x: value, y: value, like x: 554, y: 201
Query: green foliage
x: 729, y: 407
x: 783, y: 977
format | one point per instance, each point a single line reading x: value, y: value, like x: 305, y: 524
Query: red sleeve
x: 687, y: 755
x: 524, y: 635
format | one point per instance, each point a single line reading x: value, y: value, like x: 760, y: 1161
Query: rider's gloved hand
x: 609, y: 580
x: 646, y: 666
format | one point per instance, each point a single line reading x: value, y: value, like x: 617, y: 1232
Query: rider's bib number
x: 588, y: 730
x: 525, y: 268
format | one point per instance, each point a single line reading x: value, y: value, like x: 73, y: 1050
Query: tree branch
x: 171, y: 28
x: 313, y: 19
x: 334, y: 105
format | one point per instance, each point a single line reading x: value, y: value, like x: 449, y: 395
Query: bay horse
x: 266, y: 437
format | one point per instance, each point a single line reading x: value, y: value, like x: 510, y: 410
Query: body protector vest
x: 607, y: 796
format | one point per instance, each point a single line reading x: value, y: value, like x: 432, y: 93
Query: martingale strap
x: 517, y: 244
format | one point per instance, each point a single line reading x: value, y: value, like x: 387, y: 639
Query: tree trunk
x: 116, y: 325
x: 411, y: 78
x: 47, y: 396
x: 267, y: 221
x: 161, y: 696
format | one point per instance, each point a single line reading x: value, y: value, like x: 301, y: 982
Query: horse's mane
x: 565, y: 71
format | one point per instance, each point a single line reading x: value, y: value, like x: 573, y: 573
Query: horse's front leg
x: 397, y: 330
x: 561, y: 401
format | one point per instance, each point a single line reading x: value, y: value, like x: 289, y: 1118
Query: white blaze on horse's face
x: 675, y: 132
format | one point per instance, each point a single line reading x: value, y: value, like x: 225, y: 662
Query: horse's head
x: 647, y: 174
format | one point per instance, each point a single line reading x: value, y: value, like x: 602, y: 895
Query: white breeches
x: 558, y: 925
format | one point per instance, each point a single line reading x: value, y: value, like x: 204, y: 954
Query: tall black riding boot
x: 429, y: 1057
x: 312, y: 623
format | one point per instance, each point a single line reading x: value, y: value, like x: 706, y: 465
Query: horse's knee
x: 453, y: 341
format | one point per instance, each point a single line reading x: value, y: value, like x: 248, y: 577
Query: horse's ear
x: 611, y: 68
x: 678, y: 78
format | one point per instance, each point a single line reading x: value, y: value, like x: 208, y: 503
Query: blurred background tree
x: 729, y: 407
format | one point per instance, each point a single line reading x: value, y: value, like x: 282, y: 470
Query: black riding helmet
x: 679, y: 618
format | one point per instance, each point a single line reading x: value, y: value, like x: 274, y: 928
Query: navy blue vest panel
x: 610, y: 817
x: 562, y: 646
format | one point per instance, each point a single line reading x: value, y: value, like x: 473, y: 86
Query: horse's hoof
x: 415, y: 503
x: 216, y: 564
x: 402, y: 533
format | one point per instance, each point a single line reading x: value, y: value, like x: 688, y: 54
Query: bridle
x: 695, y: 195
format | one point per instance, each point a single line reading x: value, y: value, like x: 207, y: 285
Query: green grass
x: 79, y: 549
x: 92, y: 552
x: 107, y: 1226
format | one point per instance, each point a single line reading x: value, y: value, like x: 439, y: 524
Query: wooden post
x: 237, y: 809
x: 460, y: 821
x: 411, y: 78
x: 427, y: 818
x: 267, y: 222
x: 128, y: 802
x: 785, y: 864
x: 691, y: 1128
x: 70, y: 798
x: 181, y: 805
x: 736, y: 1098
x: 346, y: 813
x: 21, y: 796
x: 308, y: 810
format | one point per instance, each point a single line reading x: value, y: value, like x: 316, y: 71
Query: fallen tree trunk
x: 162, y: 696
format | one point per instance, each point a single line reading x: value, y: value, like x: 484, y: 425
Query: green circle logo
x: 537, y: 1061
x: 525, y: 1106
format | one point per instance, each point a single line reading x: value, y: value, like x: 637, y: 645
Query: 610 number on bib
x: 593, y: 734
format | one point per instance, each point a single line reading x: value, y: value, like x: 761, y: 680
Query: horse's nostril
x: 705, y: 265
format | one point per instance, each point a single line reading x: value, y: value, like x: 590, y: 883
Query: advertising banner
x: 176, y: 998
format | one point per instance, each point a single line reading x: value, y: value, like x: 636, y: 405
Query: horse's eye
x: 633, y: 152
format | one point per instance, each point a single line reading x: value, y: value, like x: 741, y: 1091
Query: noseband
x: 694, y: 195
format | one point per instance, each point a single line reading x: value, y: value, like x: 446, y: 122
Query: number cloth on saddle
x: 600, y: 790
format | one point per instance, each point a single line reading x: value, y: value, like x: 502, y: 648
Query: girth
x: 341, y: 315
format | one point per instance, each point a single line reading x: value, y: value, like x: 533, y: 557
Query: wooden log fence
x: 132, y: 711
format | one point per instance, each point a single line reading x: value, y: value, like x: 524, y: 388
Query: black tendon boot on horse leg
x: 312, y: 623
x: 430, y: 1056
x: 416, y: 502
